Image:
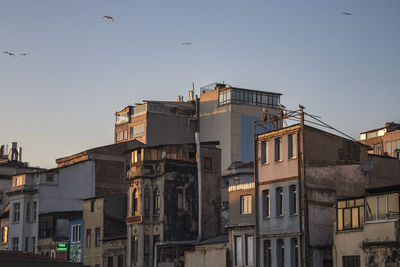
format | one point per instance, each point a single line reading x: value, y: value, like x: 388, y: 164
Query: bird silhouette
x: 186, y: 43
x: 9, y: 53
x: 346, y: 13
x: 24, y: 54
x: 109, y: 17
x: 301, y: 107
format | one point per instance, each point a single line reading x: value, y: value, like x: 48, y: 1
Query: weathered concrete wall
x: 235, y: 217
x: 381, y: 172
x: 206, y: 258
x: 169, y: 129
x: 211, y: 192
x: 93, y: 220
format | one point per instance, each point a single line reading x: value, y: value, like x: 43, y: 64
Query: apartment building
x: 105, y: 231
x: 366, y: 229
x: 225, y: 115
x: 383, y: 141
x: 241, y: 227
x: 163, y: 206
x: 91, y: 173
x: 301, y: 171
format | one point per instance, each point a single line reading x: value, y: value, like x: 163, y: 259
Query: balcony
x: 134, y: 219
x: 384, y: 231
x: 144, y: 169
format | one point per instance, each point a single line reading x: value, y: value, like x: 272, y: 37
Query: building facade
x: 105, y: 231
x: 383, y: 141
x: 163, y: 204
x: 366, y: 230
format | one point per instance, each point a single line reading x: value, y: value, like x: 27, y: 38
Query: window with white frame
x: 293, y: 199
x: 382, y: 207
x: 28, y: 211
x: 238, y: 250
x: 245, y: 204
x: 34, y: 211
x: 279, y: 201
x: 249, y: 250
x: 76, y: 233
x: 15, y: 244
x: 16, y: 212
x: 137, y: 131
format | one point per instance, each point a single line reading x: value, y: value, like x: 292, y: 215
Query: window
x: 120, y: 261
x: 181, y: 199
x: 33, y: 240
x: 294, y: 252
x: 28, y: 211
x: 292, y: 146
x: 76, y: 233
x: 157, y: 202
x: 15, y: 244
x: 134, y: 248
x: 278, y: 149
x: 137, y: 131
x: 280, y: 252
x: 4, y: 234
x: 45, y: 228
x: 136, y: 156
x: 266, y: 204
x: 110, y: 261
x: 267, y: 253
x: 293, y: 200
x: 146, y: 248
x: 350, y: 214
x: 264, y: 152
x: 97, y: 237
x: 382, y: 207
x: 146, y: 201
x: 88, y: 238
x: 156, y: 239
x: 34, y: 211
x: 238, y: 250
x: 49, y: 177
x: 351, y: 261
x: 249, y: 250
x: 16, y: 212
x: 279, y: 201
x: 245, y: 204
x: 26, y: 244
x: 92, y: 205
x: 135, y: 202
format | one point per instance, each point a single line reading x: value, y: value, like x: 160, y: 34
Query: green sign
x: 62, y: 247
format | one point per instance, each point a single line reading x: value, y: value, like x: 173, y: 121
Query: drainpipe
x: 300, y: 145
x: 255, y: 166
x: 188, y: 242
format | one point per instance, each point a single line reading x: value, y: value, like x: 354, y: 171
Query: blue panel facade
x: 247, y: 136
x: 75, y: 248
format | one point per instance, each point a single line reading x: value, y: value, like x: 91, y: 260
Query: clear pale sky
x: 61, y: 98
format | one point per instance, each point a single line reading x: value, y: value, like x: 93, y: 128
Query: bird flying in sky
x: 186, y: 43
x: 24, y: 54
x: 346, y: 13
x: 109, y: 17
x: 9, y: 53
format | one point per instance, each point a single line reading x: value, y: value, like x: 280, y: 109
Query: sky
x: 61, y: 99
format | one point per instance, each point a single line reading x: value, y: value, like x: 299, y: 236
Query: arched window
x: 146, y: 201
x: 135, y: 202
x: 156, y: 202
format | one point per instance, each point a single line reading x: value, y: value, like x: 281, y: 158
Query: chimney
x: 191, y: 95
x: 20, y: 154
